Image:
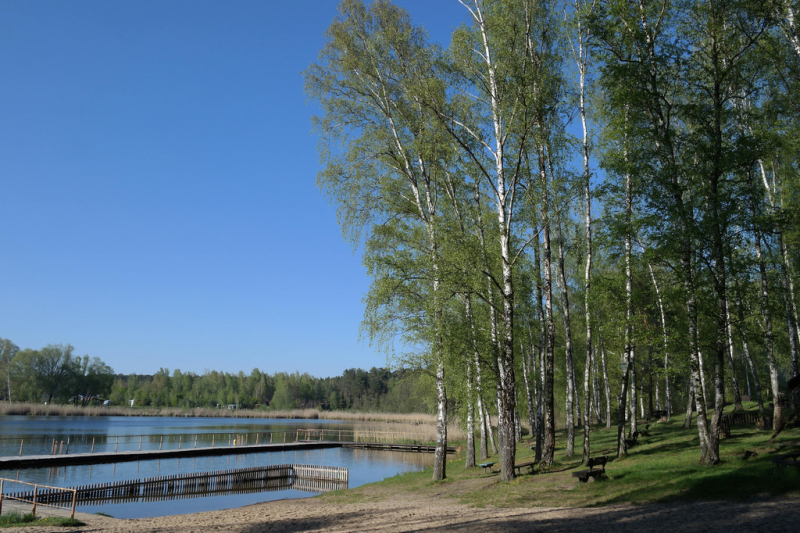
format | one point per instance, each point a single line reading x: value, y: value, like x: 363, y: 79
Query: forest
x: 583, y: 210
x: 54, y: 374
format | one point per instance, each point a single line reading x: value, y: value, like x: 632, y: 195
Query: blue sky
x: 158, y: 184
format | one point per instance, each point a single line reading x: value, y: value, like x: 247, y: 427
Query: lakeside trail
x: 402, y: 511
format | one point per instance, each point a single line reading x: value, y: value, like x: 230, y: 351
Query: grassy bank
x: 16, y: 519
x: 661, y: 468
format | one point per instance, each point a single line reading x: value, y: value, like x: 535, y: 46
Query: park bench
x: 584, y: 475
x: 487, y: 465
x: 520, y: 466
x: 633, y: 441
x: 787, y: 461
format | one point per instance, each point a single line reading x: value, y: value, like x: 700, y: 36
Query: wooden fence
x: 360, y: 435
x: 308, y: 478
x: 59, y: 497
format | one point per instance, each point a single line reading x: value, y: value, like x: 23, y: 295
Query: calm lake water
x: 129, y: 433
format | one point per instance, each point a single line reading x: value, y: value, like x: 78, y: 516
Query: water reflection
x: 365, y: 466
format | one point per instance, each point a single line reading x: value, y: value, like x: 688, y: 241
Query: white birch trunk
x: 737, y: 397
x: 470, y: 455
x: 606, y: 384
x: 569, y: 422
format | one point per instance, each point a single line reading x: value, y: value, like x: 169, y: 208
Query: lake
x: 39, y: 435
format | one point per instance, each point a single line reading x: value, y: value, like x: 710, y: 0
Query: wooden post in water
x: 161, y: 442
x: 195, y: 441
x: 213, y: 437
x: 92, y: 445
x: 270, y: 437
x: 180, y: 440
x: 21, y: 441
x: 116, y: 445
x: 140, y: 443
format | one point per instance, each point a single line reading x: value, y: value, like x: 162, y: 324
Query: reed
x: 417, y: 423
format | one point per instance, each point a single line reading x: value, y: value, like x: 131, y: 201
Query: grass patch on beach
x: 663, y: 467
x: 17, y: 519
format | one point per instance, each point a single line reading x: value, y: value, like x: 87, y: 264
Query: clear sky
x: 159, y: 205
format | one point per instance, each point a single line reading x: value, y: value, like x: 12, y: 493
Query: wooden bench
x: 584, y: 475
x: 786, y: 462
x: 520, y: 466
x: 633, y: 441
x: 487, y: 465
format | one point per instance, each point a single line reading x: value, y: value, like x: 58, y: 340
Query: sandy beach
x: 409, y: 512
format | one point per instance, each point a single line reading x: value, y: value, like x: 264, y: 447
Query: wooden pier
x: 308, y: 478
x: 42, y: 461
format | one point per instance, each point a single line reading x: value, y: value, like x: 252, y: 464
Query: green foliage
x: 17, y: 519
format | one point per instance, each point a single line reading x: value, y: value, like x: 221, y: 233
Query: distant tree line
x: 54, y: 374
x: 378, y: 389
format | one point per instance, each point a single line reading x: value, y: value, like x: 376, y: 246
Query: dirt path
x: 410, y: 513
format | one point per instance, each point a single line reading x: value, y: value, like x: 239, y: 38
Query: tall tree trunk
x: 440, y: 455
x: 746, y: 349
x: 484, y: 451
x: 634, y: 392
x: 665, y: 335
x: 569, y: 422
x: 687, y: 422
x: 606, y: 383
x: 489, y: 429
x: 528, y: 395
x: 702, y: 376
x: 548, y: 453
x: 582, y: 61
x: 737, y: 397
x: 543, y: 340
x: 622, y: 448
x: 587, y: 374
x: 767, y: 314
x: 598, y: 408
x: 470, y: 456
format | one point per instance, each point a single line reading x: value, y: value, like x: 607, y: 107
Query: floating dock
x: 43, y: 461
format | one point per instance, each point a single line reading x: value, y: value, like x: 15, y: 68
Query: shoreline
x: 399, y: 511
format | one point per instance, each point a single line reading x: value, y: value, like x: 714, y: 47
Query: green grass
x: 16, y: 519
x: 664, y: 467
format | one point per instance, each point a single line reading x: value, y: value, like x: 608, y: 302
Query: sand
x: 409, y: 512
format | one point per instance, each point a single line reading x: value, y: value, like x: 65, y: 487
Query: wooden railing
x: 59, y: 497
x: 49, y: 445
x: 310, y: 478
x: 360, y: 435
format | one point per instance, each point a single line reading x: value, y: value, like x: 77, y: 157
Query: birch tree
x: 381, y: 162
